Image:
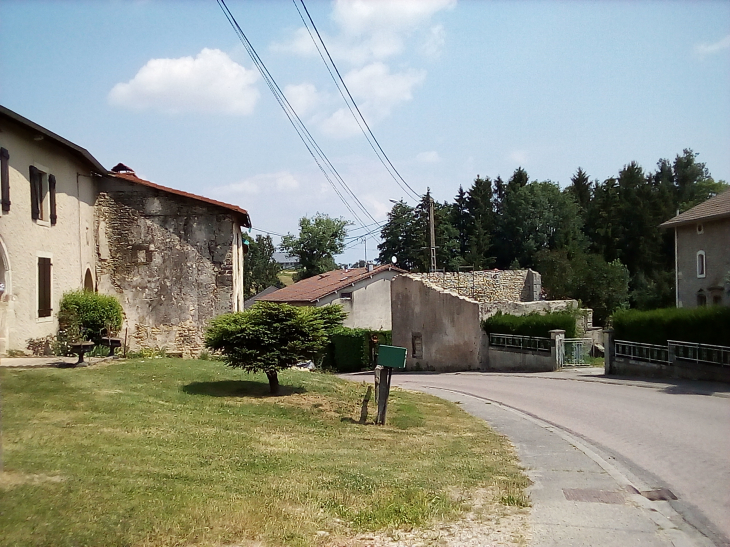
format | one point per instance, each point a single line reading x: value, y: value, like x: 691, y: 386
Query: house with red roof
x: 364, y: 293
x: 702, y: 253
x: 173, y: 259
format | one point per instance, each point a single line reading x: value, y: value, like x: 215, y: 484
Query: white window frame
x: 700, y: 229
x: 701, y: 260
x: 43, y: 254
x: 44, y: 207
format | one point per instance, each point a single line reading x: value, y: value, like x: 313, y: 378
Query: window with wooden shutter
x: 44, y: 287
x: 52, y: 197
x: 35, y: 176
x: 4, y: 180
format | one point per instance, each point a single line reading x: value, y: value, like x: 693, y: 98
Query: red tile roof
x: 315, y: 288
x: 713, y: 209
x: 131, y: 177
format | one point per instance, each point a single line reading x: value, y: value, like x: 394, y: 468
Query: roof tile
x: 714, y: 208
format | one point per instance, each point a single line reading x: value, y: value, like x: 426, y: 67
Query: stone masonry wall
x: 168, y: 259
x: 488, y: 285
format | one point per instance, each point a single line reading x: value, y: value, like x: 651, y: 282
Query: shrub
x: 705, y: 325
x: 88, y: 315
x: 270, y: 336
x: 533, y: 324
x: 349, y: 349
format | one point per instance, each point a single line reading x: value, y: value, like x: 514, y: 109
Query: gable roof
x: 50, y: 135
x: 713, y: 209
x: 130, y: 176
x: 315, y: 288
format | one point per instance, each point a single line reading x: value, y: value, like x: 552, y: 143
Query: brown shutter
x: 34, y: 194
x: 4, y: 180
x: 44, y: 287
x: 52, y: 192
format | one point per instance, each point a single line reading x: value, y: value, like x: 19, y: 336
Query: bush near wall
x: 84, y: 314
x: 533, y: 324
x: 349, y: 349
x: 704, y: 325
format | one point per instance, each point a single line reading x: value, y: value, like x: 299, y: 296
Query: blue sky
x: 451, y: 90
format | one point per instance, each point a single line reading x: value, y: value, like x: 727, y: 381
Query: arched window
x: 701, y: 266
x: 88, y: 281
x: 701, y: 299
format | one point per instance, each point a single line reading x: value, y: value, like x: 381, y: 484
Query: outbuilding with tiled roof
x: 364, y: 293
x: 702, y: 253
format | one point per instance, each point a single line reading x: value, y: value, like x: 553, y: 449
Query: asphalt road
x: 673, y: 435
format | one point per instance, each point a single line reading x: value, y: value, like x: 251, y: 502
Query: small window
x: 700, y: 229
x: 701, y: 266
x: 701, y: 299
x: 44, y: 287
x: 4, y: 180
x: 42, y: 196
x: 417, y: 345
x: 346, y: 295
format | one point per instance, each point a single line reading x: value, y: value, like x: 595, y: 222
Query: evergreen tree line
x: 599, y: 242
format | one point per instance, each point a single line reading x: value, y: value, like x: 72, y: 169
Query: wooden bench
x: 112, y: 344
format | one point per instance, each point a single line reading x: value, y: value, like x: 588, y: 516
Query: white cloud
x: 303, y: 97
x: 358, y: 17
x: 281, y: 181
x: 429, y: 157
x: 434, y: 42
x: 705, y: 49
x: 377, y: 91
x: 519, y: 156
x: 210, y: 82
x: 300, y: 44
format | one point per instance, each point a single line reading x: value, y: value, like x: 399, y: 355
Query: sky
x: 451, y: 90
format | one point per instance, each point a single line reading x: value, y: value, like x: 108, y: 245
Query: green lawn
x: 182, y: 452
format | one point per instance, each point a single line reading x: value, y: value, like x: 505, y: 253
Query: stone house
x: 437, y: 316
x: 173, y: 259
x: 364, y: 293
x: 702, y: 253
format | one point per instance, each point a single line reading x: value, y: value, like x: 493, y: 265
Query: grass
x: 286, y: 277
x: 181, y: 452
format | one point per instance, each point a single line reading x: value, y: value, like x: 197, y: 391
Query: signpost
x: 389, y: 357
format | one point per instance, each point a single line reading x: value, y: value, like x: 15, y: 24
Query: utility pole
x: 433, y: 233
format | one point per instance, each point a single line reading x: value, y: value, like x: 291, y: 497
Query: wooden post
x: 382, y: 390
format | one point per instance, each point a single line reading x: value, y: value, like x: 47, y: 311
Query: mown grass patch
x: 176, y: 452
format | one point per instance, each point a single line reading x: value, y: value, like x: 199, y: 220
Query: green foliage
x: 89, y: 315
x: 319, y: 240
x: 270, y: 336
x: 349, y: 349
x: 704, y: 325
x: 599, y: 285
x: 533, y: 324
x: 400, y: 237
x: 260, y: 270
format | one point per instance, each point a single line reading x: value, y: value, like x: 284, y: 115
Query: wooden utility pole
x: 432, y: 229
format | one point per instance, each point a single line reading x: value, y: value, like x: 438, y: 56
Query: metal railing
x: 642, y: 352
x: 699, y: 353
x: 577, y: 350
x: 525, y: 343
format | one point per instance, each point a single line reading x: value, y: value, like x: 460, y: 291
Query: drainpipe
x: 676, y: 273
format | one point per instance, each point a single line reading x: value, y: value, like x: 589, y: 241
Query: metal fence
x: 577, y: 351
x: 699, y: 353
x: 530, y: 343
x: 642, y: 352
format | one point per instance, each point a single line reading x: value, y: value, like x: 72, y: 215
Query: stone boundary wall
x: 488, y: 309
x: 488, y: 285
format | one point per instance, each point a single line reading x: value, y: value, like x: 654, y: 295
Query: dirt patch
x: 10, y: 479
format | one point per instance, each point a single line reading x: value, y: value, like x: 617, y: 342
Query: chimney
x: 370, y: 266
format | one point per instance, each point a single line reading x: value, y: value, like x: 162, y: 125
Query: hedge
x: 349, y: 349
x: 704, y: 325
x: 84, y: 314
x: 533, y: 324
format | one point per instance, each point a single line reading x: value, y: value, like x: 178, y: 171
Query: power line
x: 320, y: 158
x: 359, y: 118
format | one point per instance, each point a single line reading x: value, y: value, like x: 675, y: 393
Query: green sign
x: 392, y: 356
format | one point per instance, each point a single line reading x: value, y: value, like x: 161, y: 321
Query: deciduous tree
x: 319, y: 240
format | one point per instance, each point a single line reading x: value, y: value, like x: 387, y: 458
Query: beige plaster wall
x: 715, y: 241
x: 69, y: 243
x: 448, y: 325
x: 369, y: 307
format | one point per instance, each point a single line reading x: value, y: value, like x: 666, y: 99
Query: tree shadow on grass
x: 238, y: 388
